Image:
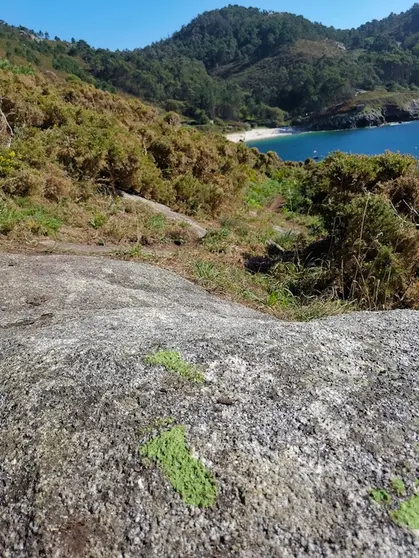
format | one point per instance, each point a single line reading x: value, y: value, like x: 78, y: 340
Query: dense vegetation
x: 368, y: 251
x: 71, y: 139
x: 340, y: 234
x: 240, y: 63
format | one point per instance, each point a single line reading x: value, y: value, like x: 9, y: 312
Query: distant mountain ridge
x: 241, y: 63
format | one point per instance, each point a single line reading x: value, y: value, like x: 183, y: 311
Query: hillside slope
x: 103, y: 142
x: 278, y: 233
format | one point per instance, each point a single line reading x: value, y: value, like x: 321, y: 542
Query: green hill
x: 240, y: 63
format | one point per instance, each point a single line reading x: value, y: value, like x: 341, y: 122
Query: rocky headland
x: 364, y: 115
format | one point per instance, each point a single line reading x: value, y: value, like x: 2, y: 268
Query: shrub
x: 376, y: 255
x: 369, y: 207
x: 57, y: 184
x: 8, y: 162
x: 94, y: 137
x: 192, y: 195
x: 24, y: 182
x: 404, y: 194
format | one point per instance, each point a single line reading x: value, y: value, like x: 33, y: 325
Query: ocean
x: 370, y: 141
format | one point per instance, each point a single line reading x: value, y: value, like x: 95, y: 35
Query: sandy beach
x: 258, y: 133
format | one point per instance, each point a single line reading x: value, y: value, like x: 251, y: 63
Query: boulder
x: 142, y: 417
x: 198, y: 230
x: 285, y: 230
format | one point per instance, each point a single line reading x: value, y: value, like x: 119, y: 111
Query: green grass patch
x: 98, y: 220
x: 135, y: 251
x: 8, y: 220
x: 265, y: 292
x: 232, y: 281
x: 188, y: 476
x: 34, y: 217
x: 281, y: 298
x: 217, y: 241
x: 157, y: 222
x: 317, y: 309
x: 287, y: 241
x: 313, y: 223
x: 259, y: 194
x: 173, y: 361
x: 206, y: 271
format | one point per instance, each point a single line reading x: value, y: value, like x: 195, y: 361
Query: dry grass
x: 99, y: 220
x: 317, y: 49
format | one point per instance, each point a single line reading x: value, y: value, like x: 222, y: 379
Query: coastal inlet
x: 293, y: 146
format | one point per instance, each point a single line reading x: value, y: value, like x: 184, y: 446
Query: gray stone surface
x: 297, y: 422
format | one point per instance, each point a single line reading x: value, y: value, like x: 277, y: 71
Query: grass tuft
x: 35, y: 218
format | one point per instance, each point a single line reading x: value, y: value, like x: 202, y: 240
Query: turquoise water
x: 369, y: 141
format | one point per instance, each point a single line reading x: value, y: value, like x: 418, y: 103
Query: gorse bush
x: 377, y: 252
x: 8, y: 162
x: 370, y: 248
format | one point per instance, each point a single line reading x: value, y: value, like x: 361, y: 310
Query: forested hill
x: 240, y: 63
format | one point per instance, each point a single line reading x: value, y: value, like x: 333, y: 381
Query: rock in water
x: 142, y: 417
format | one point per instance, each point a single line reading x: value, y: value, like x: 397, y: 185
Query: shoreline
x: 259, y: 134
x: 266, y: 133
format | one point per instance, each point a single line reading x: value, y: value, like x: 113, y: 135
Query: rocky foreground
x: 246, y: 437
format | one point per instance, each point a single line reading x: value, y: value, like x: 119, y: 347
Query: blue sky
x: 135, y: 23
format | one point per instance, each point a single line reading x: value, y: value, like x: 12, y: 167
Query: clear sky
x: 135, y: 23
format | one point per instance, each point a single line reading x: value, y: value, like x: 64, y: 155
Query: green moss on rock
x: 398, y: 486
x: 408, y: 513
x: 173, y: 361
x: 188, y: 476
x: 380, y: 496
